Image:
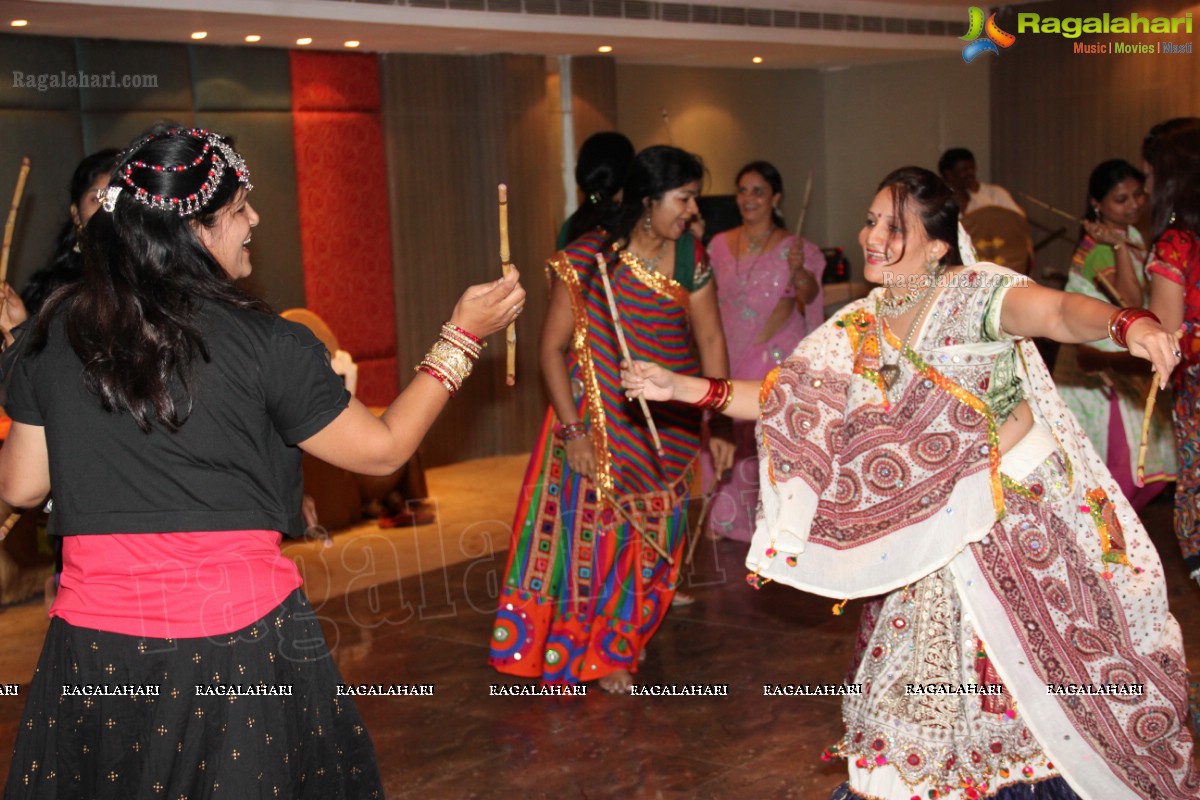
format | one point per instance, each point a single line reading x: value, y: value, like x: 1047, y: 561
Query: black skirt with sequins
x: 250, y: 714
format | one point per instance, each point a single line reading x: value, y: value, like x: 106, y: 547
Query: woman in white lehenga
x: 914, y: 446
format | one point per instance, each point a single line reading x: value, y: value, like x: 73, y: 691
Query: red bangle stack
x: 1120, y: 322
x: 719, y: 395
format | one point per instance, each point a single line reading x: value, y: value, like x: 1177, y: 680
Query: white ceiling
x: 382, y: 26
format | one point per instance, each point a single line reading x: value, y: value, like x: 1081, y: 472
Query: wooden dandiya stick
x: 804, y: 206
x: 12, y: 219
x: 700, y: 520
x: 1108, y: 286
x: 1043, y: 204
x: 602, y: 263
x: 1147, y: 415
x: 620, y: 509
x: 10, y: 523
x: 510, y: 334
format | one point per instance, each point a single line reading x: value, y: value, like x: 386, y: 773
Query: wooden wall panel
x: 456, y: 126
x: 593, y: 95
x: 1056, y: 114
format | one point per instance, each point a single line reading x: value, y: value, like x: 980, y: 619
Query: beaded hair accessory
x: 217, y: 155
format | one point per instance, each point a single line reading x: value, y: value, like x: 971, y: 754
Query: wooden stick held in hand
x: 1147, y: 415
x: 510, y: 334
x: 1110, y: 289
x: 12, y: 218
x: 804, y: 206
x: 1044, y: 205
x: 602, y: 263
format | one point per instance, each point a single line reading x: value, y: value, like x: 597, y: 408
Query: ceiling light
x: 757, y: 59
x: 304, y: 41
x: 353, y: 43
x: 200, y: 35
x: 604, y: 48
x: 254, y: 37
x: 19, y: 23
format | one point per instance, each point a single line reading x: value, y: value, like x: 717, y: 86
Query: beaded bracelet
x: 719, y: 395
x: 1120, y: 322
x: 572, y: 430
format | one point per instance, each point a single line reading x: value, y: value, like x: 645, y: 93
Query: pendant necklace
x: 743, y: 278
x: 891, y: 372
x: 648, y: 264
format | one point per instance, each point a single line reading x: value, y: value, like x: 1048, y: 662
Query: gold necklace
x: 891, y: 372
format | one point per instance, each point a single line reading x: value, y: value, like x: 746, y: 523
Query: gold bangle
x: 450, y: 361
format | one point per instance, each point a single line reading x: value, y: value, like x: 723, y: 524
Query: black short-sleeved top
x: 233, y: 465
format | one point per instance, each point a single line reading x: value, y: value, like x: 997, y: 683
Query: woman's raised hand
x: 649, y: 380
x: 1147, y: 339
x: 1105, y: 232
x: 488, y: 307
x: 12, y: 312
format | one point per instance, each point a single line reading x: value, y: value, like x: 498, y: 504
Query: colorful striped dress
x: 583, y: 591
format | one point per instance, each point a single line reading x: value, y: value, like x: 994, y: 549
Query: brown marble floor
x: 463, y: 743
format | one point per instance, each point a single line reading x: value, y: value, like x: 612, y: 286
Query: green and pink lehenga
x: 583, y: 590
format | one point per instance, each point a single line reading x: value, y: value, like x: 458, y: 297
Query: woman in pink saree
x: 769, y: 290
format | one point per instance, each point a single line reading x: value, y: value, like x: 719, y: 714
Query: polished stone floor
x: 433, y: 628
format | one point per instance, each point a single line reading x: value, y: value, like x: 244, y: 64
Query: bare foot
x: 682, y: 599
x: 618, y: 682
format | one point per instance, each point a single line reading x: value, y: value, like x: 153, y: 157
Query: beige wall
x: 885, y: 116
x: 850, y: 127
x: 730, y: 117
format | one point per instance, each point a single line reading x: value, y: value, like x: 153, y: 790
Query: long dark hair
x: 771, y: 175
x: 655, y: 171
x: 933, y: 202
x: 1174, y: 157
x: 600, y: 172
x: 131, y: 317
x: 65, y: 265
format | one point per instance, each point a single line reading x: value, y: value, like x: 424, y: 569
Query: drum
x: 1001, y: 236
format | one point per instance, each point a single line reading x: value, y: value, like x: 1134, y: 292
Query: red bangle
x: 1120, y: 322
x: 718, y: 396
x: 464, y: 332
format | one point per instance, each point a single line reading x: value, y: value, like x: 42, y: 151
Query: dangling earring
x: 646, y: 223
x: 933, y: 266
x: 78, y: 233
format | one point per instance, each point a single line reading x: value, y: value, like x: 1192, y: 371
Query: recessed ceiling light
x: 254, y: 37
x: 353, y: 43
x: 604, y: 48
x: 19, y: 23
x: 757, y: 59
x: 200, y: 34
x: 304, y: 41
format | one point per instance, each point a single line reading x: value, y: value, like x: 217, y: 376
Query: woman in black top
x: 168, y: 409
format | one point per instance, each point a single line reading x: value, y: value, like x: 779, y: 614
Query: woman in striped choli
x: 586, y: 586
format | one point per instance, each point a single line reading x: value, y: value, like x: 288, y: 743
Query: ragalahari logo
x: 993, y: 40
